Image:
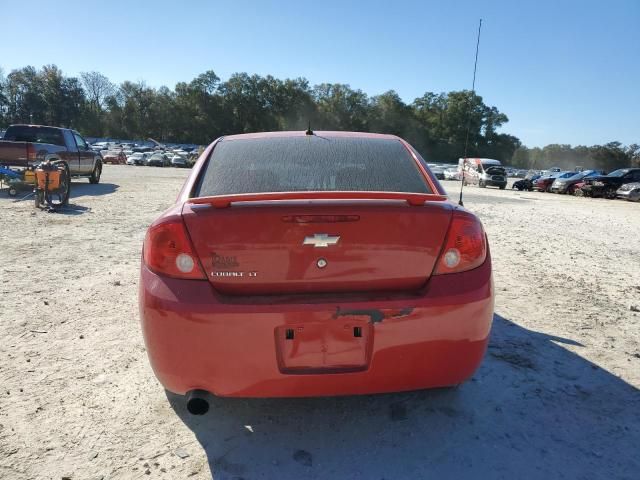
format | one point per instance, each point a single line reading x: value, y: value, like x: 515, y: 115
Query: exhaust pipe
x: 197, y: 403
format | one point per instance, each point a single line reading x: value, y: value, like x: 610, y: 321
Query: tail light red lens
x: 168, y: 251
x: 465, y: 247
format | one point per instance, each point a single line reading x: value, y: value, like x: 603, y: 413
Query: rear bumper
x: 495, y: 183
x: 196, y: 339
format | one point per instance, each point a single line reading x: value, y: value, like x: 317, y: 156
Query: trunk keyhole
x: 288, y: 334
x: 357, y: 332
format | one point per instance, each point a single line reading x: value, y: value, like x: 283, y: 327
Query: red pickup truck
x: 25, y: 145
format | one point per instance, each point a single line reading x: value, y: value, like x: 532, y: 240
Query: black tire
x: 97, y: 172
x: 481, y: 184
x: 502, y: 187
x: 12, y: 192
x: 65, y: 200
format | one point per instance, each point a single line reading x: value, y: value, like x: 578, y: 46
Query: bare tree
x: 98, y: 88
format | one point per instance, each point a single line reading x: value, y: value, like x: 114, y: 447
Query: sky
x: 563, y: 71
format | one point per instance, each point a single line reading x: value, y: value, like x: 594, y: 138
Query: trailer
x: 16, y: 179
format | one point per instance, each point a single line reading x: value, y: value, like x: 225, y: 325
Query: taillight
x: 31, y: 153
x: 168, y: 251
x: 465, y: 247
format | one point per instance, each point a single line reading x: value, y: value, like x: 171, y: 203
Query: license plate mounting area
x: 334, y: 346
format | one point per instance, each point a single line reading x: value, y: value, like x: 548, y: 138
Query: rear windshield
x: 311, y: 163
x: 27, y: 133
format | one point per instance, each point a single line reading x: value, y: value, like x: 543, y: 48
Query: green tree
x: 341, y: 108
x: 438, y: 124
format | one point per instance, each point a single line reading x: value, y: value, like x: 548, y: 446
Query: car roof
x: 302, y: 133
x: 38, y: 126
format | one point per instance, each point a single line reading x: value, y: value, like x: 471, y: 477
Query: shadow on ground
x: 72, y: 209
x: 78, y: 189
x: 533, y: 410
x: 81, y: 189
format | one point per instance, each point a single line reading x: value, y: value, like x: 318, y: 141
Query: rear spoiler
x: 224, y: 201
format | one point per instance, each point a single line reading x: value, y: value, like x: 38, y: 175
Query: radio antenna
x: 473, y: 92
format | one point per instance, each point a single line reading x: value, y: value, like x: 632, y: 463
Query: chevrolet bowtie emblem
x: 321, y: 240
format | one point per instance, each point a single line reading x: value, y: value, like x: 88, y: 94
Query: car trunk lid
x: 317, y: 246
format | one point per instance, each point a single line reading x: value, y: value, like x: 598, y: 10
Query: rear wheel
x: 481, y: 184
x: 61, y: 196
x: 95, y: 175
x: 502, y: 187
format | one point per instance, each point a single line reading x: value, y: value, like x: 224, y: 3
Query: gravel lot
x: 557, y: 396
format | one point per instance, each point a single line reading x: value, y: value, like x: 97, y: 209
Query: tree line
x: 208, y: 107
x: 607, y: 157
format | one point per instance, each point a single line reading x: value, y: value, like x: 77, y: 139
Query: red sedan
x: 543, y: 184
x: 116, y: 157
x: 310, y: 264
x: 577, y: 188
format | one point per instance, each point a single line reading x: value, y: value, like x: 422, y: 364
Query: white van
x: 484, y: 172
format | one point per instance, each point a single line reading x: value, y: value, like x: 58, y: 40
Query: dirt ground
x: 556, y: 397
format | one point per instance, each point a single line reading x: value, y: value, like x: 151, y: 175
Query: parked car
x: 438, y: 171
x: 525, y: 183
x: 543, y: 184
x: 99, y: 146
x: 629, y: 191
x: 485, y: 172
x: 26, y: 145
x: 567, y: 184
x: 607, y: 186
x: 142, y: 149
x: 250, y: 260
x: 158, y: 160
x: 116, y: 157
x: 577, y: 188
x: 178, y: 161
x: 452, y: 174
x: 137, y: 158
